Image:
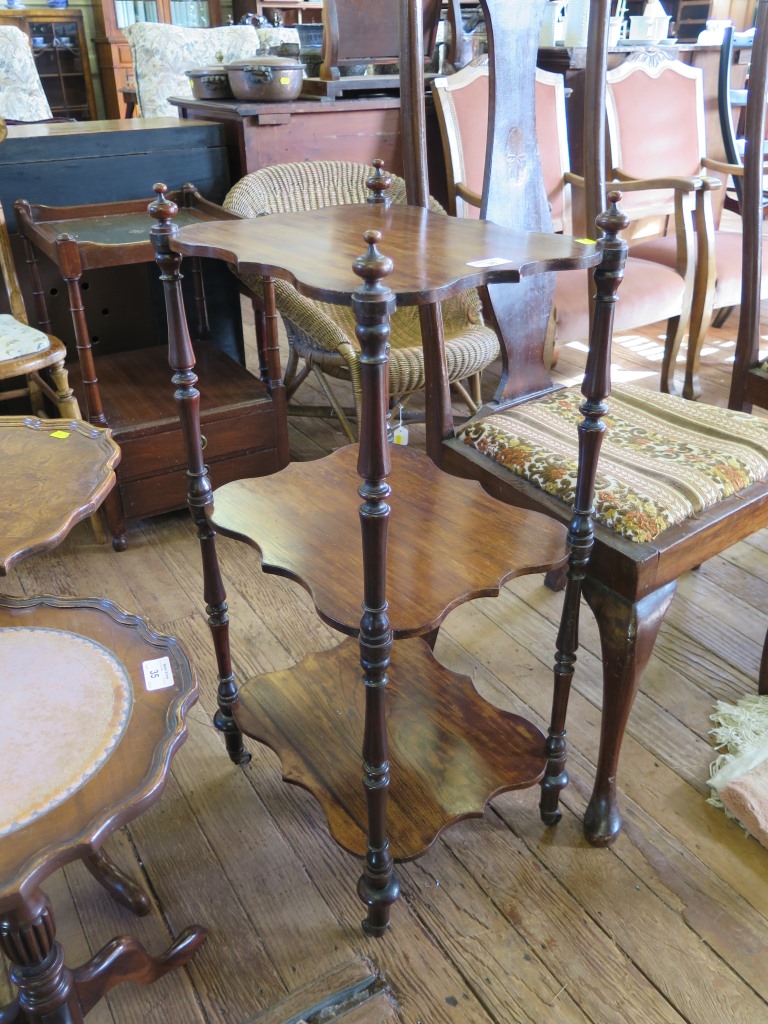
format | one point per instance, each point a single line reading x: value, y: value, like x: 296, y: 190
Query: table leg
x: 120, y: 887
x: 46, y: 987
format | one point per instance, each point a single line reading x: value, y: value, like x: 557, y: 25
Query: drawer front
x: 163, y: 451
x: 167, y: 492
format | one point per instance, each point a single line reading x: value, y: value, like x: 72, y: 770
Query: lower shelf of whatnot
x: 450, y: 750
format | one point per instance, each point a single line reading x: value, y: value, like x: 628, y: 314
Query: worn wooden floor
x: 504, y: 920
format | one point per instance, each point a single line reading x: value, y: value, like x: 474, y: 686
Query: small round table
x: 109, y: 697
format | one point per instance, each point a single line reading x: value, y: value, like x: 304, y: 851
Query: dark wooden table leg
x: 373, y: 303
x: 181, y: 357
x: 46, y: 987
x: 120, y: 887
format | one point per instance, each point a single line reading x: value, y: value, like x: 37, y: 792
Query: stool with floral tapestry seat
x: 678, y: 481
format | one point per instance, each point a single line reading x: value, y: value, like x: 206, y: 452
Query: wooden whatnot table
x: 110, y: 696
x: 430, y: 542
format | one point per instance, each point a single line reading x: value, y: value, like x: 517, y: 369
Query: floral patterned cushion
x: 663, y: 459
x: 18, y: 339
x: 21, y: 91
x: 162, y: 55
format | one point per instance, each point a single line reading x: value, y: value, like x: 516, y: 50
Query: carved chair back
x: 656, y: 124
x: 461, y: 101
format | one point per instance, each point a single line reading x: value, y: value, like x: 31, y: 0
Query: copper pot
x: 210, y: 83
x: 268, y: 78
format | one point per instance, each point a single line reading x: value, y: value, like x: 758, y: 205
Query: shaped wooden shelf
x: 481, y: 542
x: 442, y: 763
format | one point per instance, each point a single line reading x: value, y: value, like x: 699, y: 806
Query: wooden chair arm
x: 721, y: 166
x: 679, y: 184
x: 473, y: 198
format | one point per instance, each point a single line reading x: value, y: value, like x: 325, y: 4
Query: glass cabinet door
x: 190, y: 13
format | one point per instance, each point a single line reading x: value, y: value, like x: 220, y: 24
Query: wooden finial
x: 613, y: 220
x: 372, y: 266
x: 379, y: 183
x: 162, y: 208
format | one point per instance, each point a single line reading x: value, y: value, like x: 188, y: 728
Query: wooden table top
x: 434, y: 256
x: 101, y: 753
x: 56, y: 473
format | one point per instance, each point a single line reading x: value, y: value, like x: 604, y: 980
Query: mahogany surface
x: 135, y: 773
x: 448, y: 540
x: 431, y: 253
x: 450, y: 750
x: 128, y: 390
x: 107, y: 234
x: 58, y: 472
x: 69, y: 824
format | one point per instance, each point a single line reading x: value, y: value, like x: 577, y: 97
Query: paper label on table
x: 59, y: 433
x: 491, y: 261
x: 158, y: 674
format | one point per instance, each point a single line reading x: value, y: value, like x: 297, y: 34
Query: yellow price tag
x: 59, y: 433
x: 284, y: 80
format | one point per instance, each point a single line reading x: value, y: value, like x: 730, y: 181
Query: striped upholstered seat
x: 663, y: 460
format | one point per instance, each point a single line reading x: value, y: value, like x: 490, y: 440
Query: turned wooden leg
x: 125, y: 959
x: 120, y: 887
x: 181, y: 357
x: 46, y: 992
x: 628, y: 631
x: 68, y: 405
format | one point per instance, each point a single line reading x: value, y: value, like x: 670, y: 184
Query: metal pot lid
x: 215, y: 69
x: 268, y: 61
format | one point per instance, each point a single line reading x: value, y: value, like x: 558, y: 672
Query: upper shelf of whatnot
x: 434, y: 256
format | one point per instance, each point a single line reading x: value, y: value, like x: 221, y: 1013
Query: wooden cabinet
x: 61, y: 56
x: 112, y: 50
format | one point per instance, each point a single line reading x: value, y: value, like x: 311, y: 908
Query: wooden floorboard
x: 502, y: 920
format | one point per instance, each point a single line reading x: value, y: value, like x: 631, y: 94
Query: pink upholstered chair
x: 660, y: 291
x: 656, y: 124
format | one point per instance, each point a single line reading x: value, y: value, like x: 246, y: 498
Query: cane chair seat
x: 324, y: 335
x: 664, y: 460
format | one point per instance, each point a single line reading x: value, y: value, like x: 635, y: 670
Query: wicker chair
x: 323, y: 336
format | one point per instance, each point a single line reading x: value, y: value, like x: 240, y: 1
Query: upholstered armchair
x: 162, y: 55
x: 21, y: 92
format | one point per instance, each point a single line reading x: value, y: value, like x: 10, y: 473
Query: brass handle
x: 203, y: 442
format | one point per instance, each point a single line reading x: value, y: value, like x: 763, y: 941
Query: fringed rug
x: 739, y: 776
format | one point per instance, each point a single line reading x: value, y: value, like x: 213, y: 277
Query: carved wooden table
x: 244, y: 416
x: 109, y: 698
x: 429, y: 543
